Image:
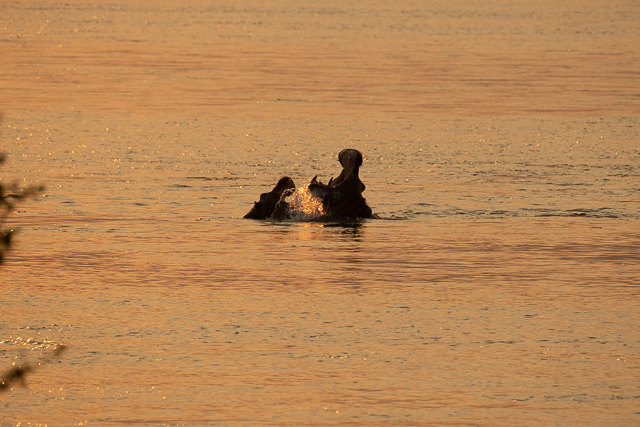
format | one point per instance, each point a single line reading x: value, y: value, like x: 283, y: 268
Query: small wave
x: 604, y: 212
x: 201, y: 178
x: 593, y: 213
x: 214, y: 178
x: 391, y: 218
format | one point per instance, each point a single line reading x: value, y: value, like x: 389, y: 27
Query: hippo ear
x: 257, y: 208
x: 284, y: 183
x: 314, y: 180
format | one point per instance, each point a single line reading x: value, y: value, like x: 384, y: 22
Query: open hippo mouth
x: 341, y: 198
x: 351, y: 160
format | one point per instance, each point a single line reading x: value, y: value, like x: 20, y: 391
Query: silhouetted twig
x: 18, y: 374
x: 10, y: 196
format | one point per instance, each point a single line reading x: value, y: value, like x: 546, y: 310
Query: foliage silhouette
x: 18, y: 374
x: 10, y: 196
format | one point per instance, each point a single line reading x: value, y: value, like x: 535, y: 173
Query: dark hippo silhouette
x: 267, y: 204
x: 341, y: 198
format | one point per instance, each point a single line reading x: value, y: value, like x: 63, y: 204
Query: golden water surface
x: 500, y: 287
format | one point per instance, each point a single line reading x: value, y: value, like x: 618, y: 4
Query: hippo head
x: 267, y: 204
x: 342, y: 197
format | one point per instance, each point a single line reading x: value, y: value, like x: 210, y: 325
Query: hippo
x: 267, y: 204
x: 340, y: 198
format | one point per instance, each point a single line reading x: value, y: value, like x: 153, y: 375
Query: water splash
x: 304, y: 206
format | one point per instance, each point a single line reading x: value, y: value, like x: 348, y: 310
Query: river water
x: 502, y: 152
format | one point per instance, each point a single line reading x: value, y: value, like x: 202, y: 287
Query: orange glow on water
x: 501, y: 150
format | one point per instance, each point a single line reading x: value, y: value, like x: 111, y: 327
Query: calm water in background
x: 502, y: 151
